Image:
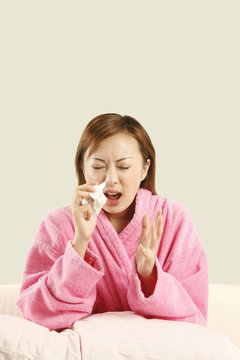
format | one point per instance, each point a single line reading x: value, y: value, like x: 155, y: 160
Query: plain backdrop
x: 173, y: 65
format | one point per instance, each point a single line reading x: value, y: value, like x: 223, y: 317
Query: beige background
x: 173, y: 65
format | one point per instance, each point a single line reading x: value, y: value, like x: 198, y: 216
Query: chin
x: 114, y: 209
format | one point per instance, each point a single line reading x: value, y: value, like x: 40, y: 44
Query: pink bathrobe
x: 59, y: 287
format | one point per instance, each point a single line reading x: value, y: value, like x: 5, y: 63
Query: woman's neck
x: 124, y: 216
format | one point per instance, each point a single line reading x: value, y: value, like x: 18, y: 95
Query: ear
x: 145, y: 169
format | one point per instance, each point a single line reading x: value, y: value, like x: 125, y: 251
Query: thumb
x: 142, y: 249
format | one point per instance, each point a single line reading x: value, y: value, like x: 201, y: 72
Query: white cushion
x: 21, y: 339
x: 126, y: 335
x: 113, y: 336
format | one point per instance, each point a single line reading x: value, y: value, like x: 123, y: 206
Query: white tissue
x: 98, y: 197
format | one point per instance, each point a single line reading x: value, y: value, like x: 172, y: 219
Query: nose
x: 111, y: 176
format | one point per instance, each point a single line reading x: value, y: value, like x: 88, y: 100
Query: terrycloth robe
x: 59, y: 287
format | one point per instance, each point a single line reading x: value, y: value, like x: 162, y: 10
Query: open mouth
x: 113, y: 196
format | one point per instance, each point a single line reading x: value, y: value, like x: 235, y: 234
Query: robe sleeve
x: 58, y: 286
x: 181, y: 290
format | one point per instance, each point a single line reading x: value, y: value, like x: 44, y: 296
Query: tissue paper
x: 98, y: 197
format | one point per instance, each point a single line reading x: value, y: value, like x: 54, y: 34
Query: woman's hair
x: 105, y: 125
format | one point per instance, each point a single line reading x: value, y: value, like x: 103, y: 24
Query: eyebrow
x: 129, y: 157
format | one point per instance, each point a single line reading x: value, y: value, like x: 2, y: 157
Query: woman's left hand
x: 148, y: 244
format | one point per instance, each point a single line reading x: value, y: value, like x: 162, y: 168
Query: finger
x: 85, y: 212
x: 159, y: 228
x: 86, y: 187
x: 145, y: 225
x: 159, y: 213
x: 89, y: 212
x: 145, y: 230
x: 153, y: 235
x: 83, y: 193
x: 145, y: 221
x: 79, y: 195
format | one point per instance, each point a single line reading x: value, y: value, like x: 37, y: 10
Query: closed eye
x: 120, y: 167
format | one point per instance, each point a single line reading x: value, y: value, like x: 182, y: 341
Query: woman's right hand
x: 84, y: 227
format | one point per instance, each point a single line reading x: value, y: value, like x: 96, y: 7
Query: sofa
x: 124, y: 335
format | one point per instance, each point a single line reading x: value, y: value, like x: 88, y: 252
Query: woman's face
x: 118, y: 161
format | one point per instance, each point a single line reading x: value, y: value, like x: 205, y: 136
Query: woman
x: 141, y: 253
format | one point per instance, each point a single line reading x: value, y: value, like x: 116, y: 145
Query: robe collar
x: 142, y: 206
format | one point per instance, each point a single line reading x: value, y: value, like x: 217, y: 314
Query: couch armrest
x: 8, y: 297
x: 223, y: 307
x: 224, y: 310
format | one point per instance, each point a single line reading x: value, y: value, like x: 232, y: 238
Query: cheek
x: 91, y: 172
x: 92, y: 175
x: 132, y: 179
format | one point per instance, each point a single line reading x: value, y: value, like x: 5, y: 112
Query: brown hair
x: 105, y: 125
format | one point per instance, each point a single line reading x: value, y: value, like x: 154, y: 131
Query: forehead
x: 116, y: 146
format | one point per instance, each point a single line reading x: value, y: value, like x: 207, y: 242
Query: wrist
x: 80, y: 247
x: 148, y: 273
x: 79, y: 239
x: 148, y: 282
